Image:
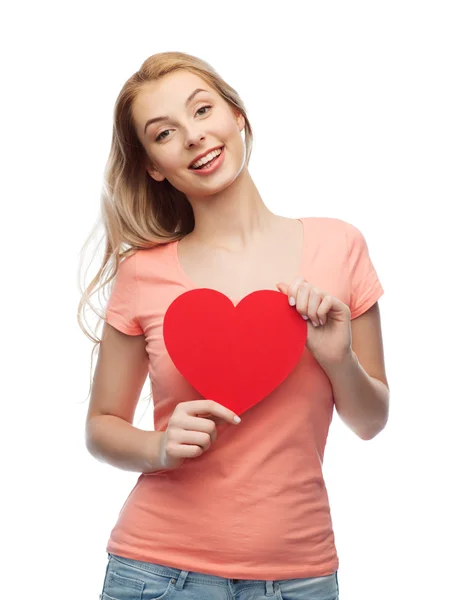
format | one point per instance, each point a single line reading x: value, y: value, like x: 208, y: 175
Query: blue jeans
x: 128, y: 579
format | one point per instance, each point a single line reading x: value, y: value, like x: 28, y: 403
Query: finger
x: 220, y: 414
x: 302, y: 301
x: 282, y: 287
x: 292, y: 291
x: 211, y: 417
x: 324, y: 308
x: 315, y: 298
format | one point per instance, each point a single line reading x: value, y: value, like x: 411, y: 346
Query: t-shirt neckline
x: 192, y: 286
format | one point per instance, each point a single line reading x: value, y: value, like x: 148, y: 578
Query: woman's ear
x: 240, y: 121
x: 155, y: 174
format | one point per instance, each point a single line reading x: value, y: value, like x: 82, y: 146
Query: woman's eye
x: 159, y: 137
x: 200, y: 108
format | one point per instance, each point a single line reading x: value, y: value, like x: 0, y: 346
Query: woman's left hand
x: 331, y: 342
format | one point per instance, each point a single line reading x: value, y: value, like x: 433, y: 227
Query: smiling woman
x: 181, y: 211
x: 171, y: 138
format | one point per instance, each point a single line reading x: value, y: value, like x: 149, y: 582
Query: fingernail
x: 237, y: 419
x: 292, y: 301
x: 305, y: 317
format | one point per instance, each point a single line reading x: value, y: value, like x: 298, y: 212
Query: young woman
x: 221, y: 510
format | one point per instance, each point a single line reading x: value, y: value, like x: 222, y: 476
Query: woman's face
x: 186, y: 131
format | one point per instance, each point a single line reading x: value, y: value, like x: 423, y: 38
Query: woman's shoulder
x: 329, y: 221
x: 155, y: 259
x: 326, y: 225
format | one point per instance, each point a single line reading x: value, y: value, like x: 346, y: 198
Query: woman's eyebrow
x: 187, y: 102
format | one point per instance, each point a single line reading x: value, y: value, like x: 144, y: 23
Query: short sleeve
x: 364, y: 285
x: 121, y: 310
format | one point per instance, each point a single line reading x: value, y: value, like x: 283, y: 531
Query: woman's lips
x: 216, y: 163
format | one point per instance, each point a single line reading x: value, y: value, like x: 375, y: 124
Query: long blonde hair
x: 137, y: 211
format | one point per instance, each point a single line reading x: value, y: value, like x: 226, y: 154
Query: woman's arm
x: 110, y: 436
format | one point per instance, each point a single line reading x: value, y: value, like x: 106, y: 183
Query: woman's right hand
x: 189, y: 434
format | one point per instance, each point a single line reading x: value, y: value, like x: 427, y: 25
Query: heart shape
x: 235, y: 355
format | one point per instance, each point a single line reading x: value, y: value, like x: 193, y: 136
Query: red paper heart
x: 234, y: 355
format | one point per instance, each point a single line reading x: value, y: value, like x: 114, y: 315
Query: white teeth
x: 206, y: 159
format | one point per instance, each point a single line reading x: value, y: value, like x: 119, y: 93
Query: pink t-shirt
x: 255, y: 505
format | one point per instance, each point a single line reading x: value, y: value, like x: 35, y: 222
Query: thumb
x: 282, y: 287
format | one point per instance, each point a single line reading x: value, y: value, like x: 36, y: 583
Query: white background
x: 351, y: 108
